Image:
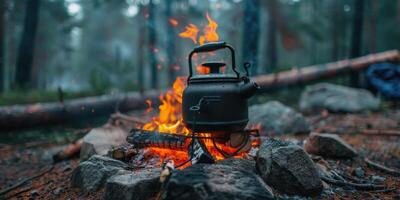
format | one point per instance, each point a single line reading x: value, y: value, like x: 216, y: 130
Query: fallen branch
x: 129, y: 118
x: 13, y: 187
x: 68, y: 152
x: 358, y: 186
x: 381, y: 167
x: 381, y: 132
x: 27, y: 116
x: 316, y: 72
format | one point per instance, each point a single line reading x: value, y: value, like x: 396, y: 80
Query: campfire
x: 167, y: 135
x: 169, y: 121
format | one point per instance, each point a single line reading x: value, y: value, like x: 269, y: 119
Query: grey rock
x: 294, y: 197
x: 58, y: 191
x: 92, y: 174
x: 276, y: 118
x: 328, y: 145
x: 359, y: 172
x: 241, y: 164
x: 215, y: 181
x: 100, y: 140
x: 378, y: 179
x: 34, y: 193
x: 142, y: 184
x: 288, y: 168
x: 337, y: 98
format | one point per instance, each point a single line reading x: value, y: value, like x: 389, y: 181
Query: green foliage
x: 99, y: 81
x: 34, y: 96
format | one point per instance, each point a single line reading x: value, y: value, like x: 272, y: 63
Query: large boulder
x: 328, y: 145
x: 214, y: 181
x: 92, y: 174
x: 100, y: 140
x: 288, y: 168
x: 276, y: 118
x: 142, y: 184
x: 337, y: 98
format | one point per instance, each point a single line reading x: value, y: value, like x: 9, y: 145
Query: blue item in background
x: 385, y: 78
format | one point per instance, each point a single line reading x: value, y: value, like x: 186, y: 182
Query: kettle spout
x: 249, y: 89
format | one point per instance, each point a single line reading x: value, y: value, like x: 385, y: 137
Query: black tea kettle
x: 215, y: 102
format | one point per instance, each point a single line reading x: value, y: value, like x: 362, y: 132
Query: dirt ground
x: 20, y: 161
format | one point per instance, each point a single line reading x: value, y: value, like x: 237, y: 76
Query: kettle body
x: 216, y: 103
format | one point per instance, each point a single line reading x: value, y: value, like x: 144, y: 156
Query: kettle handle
x: 212, y: 46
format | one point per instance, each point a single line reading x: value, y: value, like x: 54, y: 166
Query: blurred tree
x: 2, y: 57
x: 27, y: 44
x: 141, y: 46
x: 151, y: 25
x: 371, y: 22
x: 356, y: 37
x: 272, y: 57
x: 171, y: 53
x: 336, y: 19
x: 251, y: 29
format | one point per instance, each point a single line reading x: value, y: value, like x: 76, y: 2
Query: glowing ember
x: 202, y: 70
x: 173, y: 22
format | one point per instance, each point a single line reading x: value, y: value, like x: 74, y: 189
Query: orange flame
x: 191, y: 32
x: 209, y: 32
x: 169, y: 119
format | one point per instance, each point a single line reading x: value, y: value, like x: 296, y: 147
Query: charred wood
x: 142, y: 138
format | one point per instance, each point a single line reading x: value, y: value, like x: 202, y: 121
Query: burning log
x: 316, y: 72
x: 196, y: 149
x: 142, y: 138
x: 26, y: 116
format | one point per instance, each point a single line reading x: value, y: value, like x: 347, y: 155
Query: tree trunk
x: 2, y: 57
x: 141, y: 46
x: 272, y: 36
x: 170, y: 44
x: 335, y: 34
x: 356, y: 38
x: 251, y: 31
x: 152, y: 45
x: 27, y: 44
x: 372, y: 26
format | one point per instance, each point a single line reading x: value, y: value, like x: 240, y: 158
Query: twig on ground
x: 69, y: 151
x: 381, y: 132
x: 13, y: 187
x: 381, y: 167
x: 357, y: 186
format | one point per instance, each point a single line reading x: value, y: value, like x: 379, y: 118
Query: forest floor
x: 19, y: 161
